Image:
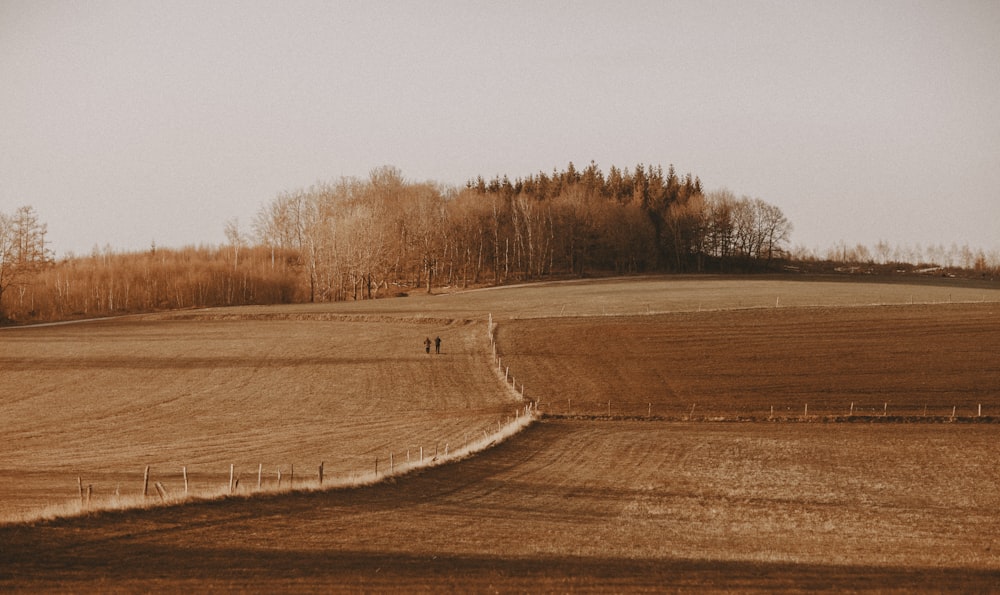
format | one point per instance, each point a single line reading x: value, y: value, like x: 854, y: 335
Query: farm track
x: 567, y: 505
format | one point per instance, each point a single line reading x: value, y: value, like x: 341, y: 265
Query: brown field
x: 102, y: 400
x: 576, y: 505
x: 910, y: 361
x: 567, y: 505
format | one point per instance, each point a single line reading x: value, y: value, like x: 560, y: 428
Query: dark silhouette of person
x: 437, y: 345
x: 427, y: 344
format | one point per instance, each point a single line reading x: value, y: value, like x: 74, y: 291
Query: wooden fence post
x: 321, y: 473
x: 260, y: 474
x: 79, y: 483
x: 232, y: 469
x: 184, y: 470
x: 145, y: 482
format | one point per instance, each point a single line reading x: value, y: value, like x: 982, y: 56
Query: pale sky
x: 129, y: 122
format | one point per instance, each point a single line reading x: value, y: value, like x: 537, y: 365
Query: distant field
x: 640, y: 295
x: 567, y: 505
x: 885, y: 360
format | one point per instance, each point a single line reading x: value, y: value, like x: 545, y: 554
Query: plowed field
x: 576, y: 505
x: 590, y: 503
x: 910, y: 361
x: 100, y: 401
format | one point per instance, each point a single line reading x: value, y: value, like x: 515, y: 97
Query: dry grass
x: 391, y: 470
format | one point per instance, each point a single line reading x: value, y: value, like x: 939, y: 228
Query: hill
x: 567, y: 505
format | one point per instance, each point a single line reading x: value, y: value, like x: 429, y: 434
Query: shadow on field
x: 154, y: 567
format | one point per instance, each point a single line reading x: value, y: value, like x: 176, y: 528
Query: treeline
x: 109, y: 283
x: 355, y: 239
x: 364, y: 238
x: 630, y: 221
x: 882, y: 253
x: 359, y: 239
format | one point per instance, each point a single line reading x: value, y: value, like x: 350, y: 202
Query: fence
x: 568, y: 407
x: 708, y: 410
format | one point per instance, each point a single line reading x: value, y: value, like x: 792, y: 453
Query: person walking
x: 437, y: 345
x: 427, y: 344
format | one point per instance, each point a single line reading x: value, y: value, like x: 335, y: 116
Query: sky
x: 125, y: 123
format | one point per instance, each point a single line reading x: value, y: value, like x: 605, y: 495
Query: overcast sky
x: 125, y: 123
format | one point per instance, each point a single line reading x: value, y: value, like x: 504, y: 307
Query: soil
x: 908, y: 362
x: 96, y: 403
x: 579, y: 506
x: 593, y: 504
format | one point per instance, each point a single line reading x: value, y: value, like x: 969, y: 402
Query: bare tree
x: 23, y: 252
x: 721, y: 226
x: 775, y: 230
x: 235, y: 238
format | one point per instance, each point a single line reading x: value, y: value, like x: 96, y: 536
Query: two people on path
x: 437, y: 345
